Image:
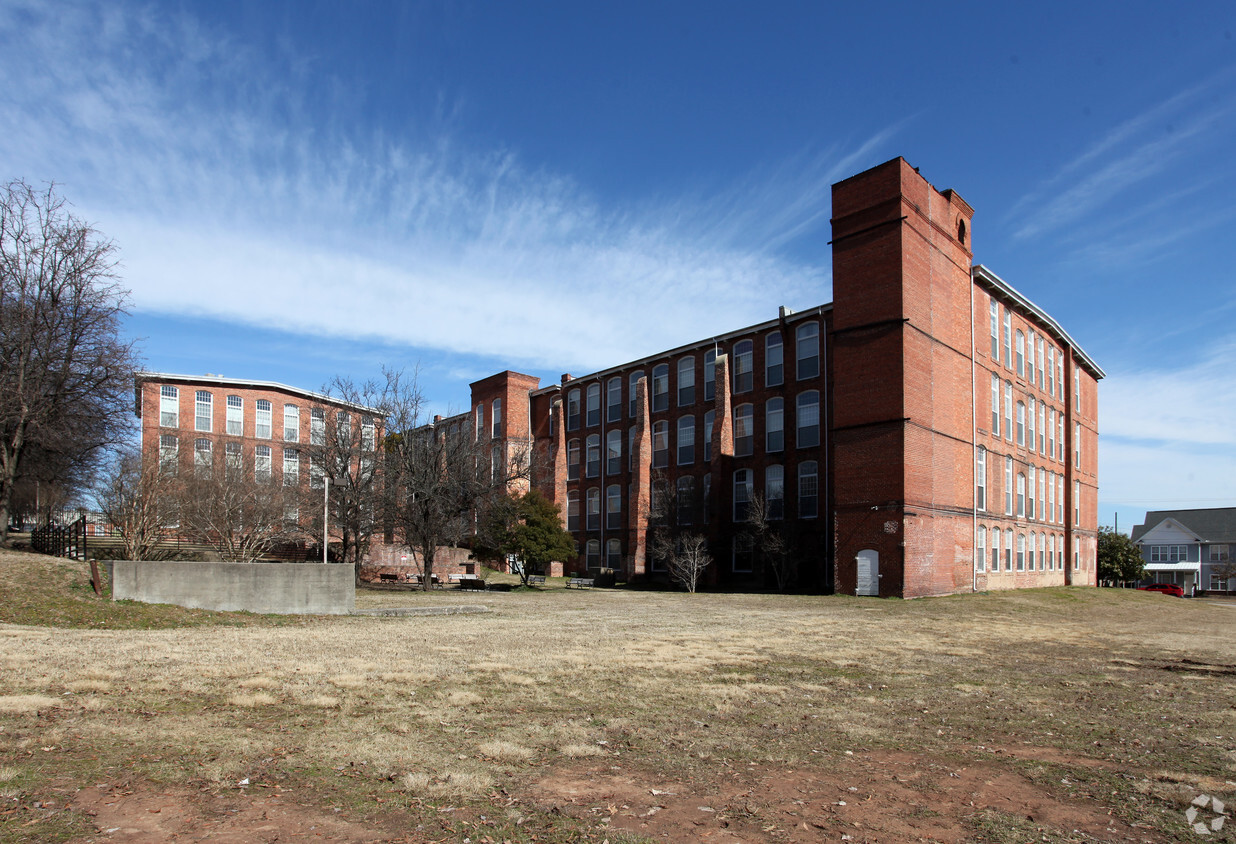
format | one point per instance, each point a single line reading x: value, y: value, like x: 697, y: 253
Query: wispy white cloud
x: 1131, y: 155
x: 232, y: 195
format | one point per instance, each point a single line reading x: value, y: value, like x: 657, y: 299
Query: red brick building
x: 930, y: 431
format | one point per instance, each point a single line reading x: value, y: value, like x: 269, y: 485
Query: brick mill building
x: 929, y: 431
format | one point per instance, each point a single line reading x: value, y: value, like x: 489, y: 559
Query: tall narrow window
x: 774, y: 491
x: 343, y: 429
x: 1008, y: 486
x: 261, y: 464
x: 744, y: 553
x: 1042, y: 428
x: 686, y: 382
x: 1042, y: 551
x: 995, y: 405
x: 1076, y: 503
x: 1021, y: 494
x: 1051, y: 496
x: 807, y: 419
x: 593, y: 557
x: 808, y: 490
x: 1030, y: 358
x: 1030, y: 414
x: 743, y: 354
x: 496, y: 413
x: 1051, y: 370
x: 1021, y: 353
x: 631, y: 449
x: 291, y: 423
x: 235, y: 416
x: 660, y: 444
x: 742, y: 494
x: 480, y: 422
x: 1059, y: 499
x: 1030, y: 492
x: 613, y: 553
x: 594, y: 406
x: 980, y: 480
x: 1008, y: 549
x: 262, y: 419
x: 807, y: 339
x: 995, y: 549
x: 660, y: 387
x: 593, y: 455
x: 169, y: 406
x: 1008, y: 411
x: 202, y: 457
x: 995, y: 331
x: 744, y: 431
x: 572, y: 423
x: 1008, y: 339
x: 613, y: 400
x: 1021, y: 423
x: 1076, y: 446
x: 203, y: 411
x: 980, y: 547
x: 1060, y: 436
x: 685, y: 493
x: 1039, y: 358
x: 1021, y: 552
x: 633, y: 383
x: 234, y: 462
x: 1077, y: 389
x: 1030, y: 553
x: 572, y: 510
x: 709, y: 417
x: 593, y: 510
x: 613, y: 452
x: 169, y: 450
x: 573, y: 460
x: 368, y: 433
x: 1042, y: 494
x: 613, y: 507
x: 774, y: 354
x: 291, y: 467
x: 774, y: 425
x: 686, y: 440
x: 1060, y: 376
x: 317, y: 426
x: 710, y: 374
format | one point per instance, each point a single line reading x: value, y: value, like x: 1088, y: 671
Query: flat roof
x: 219, y: 381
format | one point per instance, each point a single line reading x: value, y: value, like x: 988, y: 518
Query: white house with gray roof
x: 1191, y: 548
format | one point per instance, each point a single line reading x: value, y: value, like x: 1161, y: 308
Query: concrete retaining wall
x: 284, y: 588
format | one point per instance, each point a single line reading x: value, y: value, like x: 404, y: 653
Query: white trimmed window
x: 686, y: 382
x: 774, y: 425
x: 1021, y: 552
x: 169, y: 406
x: 1008, y: 411
x: 709, y: 418
x: 235, y: 416
x: 233, y: 460
x: 291, y: 423
x: 203, y: 457
x: 1031, y: 412
x: 660, y: 387
x: 686, y: 440
x: 613, y: 452
x: 743, y: 376
x: 743, y: 488
x: 1039, y: 357
x: 593, y: 510
x: 1030, y: 492
x: 633, y: 384
x: 613, y: 400
x: 368, y: 433
x: 262, y: 464
x: 203, y: 411
x: 1008, y: 340
x: 1076, y: 446
x: 593, y: 407
x: 1008, y: 486
x: 660, y: 444
x: 980, y: 479
x: 1076, y: 503
x: 1021, y: 494
x: 995, y: 330
x: 1021, y: 423
x: 317, y: 426
x: 1051, y: 370
x: 572, y: 414
x: 1021, y: 353
x: 592, y: 455
x: 808, y: 490
x: 1008, y: 549
x: 480, y: 422
x: 774, y: 355
x: 995, y: 549
x: 593, y: 557
x: 807, y: 419
x: 710, y: 374
x: 573, y: 460
x: 774, y: 491
x: 980, y: 548
x: 613, y: 553
x: 995, y: 405
x: 496, y: 413
x: 807, y: 337
x: 613, y: 507
x: 744, y: 431
x: 291, y: 467
x: 1030, y: 357
x: 572, y: 511
x: 1030, y: 554
x: 262, y: 419
x: 1042, y: 429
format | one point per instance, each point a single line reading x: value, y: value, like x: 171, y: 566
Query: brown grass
x: 450, y: 708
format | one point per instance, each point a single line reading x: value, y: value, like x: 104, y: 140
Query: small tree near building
x: 537, y: 536
x: 138, y: 500
x: 1118, y: 559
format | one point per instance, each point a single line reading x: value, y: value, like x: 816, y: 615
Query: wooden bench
x: 536, y: 580
x: 579, y: 582
x: 471, y: 582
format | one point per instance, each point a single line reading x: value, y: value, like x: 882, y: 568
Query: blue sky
x: 303, y: 189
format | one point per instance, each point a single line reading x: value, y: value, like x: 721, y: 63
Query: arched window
x: 1021, y: 353
x: 710, y: 374
x: 594, y: 405
x: 774, y: 425
x: 774, y: 354
x: 686, y: 500
x: 1021, y: 494
x: 807, y: 418
x: 744, y: 431
x: 632, y: 382
x: 808, y: 490
x: 236, y: 416
x: 572, y: 510
x: 573, y: 460
x: 593, y: 510
x: 593, y: 455
x: 613, y: 507
x: 1021, y: 552
x: 743, y: 381
x: 203, y: 411
x: 995, y: 405
x: 1021, y: 423
x: 660, y: 444
x: 203, y: 457
x: 613, y: 400
x: 1008, y: 411
x: 262, y: 464
x: 169, y: 407
x: 660, y: 387
x: 572, y: 422
x: 613, y: 451
x: 743, y: 489
x: 262, y: 423
x: 593, y: 558
x: 1031, y: 410
x: 686, y: 440
x: 686, y: 382
x: 774, y: 491
x: 808, y: 341
x: 709, y: 417
x: 995, y: 549
x: 613, y: 554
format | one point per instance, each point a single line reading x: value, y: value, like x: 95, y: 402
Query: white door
x: 868, y: 573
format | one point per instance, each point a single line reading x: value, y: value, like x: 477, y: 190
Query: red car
x: 1165, y: 588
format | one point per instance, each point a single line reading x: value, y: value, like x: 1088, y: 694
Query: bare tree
x: 439, y: 478
x: 65, y: 373
x: 685, y: 555
x: 237, y: 509
x: 770, y: 540
x: 671, y: 541
x: 138, y: 500
x: 345, y: 451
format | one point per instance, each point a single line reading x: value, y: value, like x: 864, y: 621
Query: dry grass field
x: 620, y: 716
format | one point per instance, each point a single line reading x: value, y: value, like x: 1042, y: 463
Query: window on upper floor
x: 572, y: 414
x: 685, y: 495
x: 1008, y: 340
x: 592, y: 510
x: 203, y: 413
x: 317, y: 426
x: 1021, y: 494
x: 169, y: 406
x: 980, y: 547
x: 262, y: 419
x: 235, y: 416
x: 613, y: 507
x: 774, y: 425
x: 592, y: 460
x: 291, y: 467
x: 744, y: 431
x: 613, y: 451
x: 807, y: 339
x: 807, y: 419
x: 774, y: 369
x: 709, y: 417
x: 743, y: 489
x: 594, y: 405
x: 995, y: 405
x: 995, y: 330
x: 980, y: 479
x: 774, y: 491
x: 573, y: 460
x: 480, y: 422
x: 660, y: 444
x: 808, y: 489
x: 572, y: 510
x: 203, y: 457
x: 743, y: 362
x: 169, y: 451
x: 632, y: 398
x: 1021, y: 353
x: 686, y: 382
x: 1021, y: 423
x: 710, y: 374
x: 1008, y: 411
x: 496, y: 413
x: 291, y: 423
x: 613, y: 400
x: 262, y: 467
x: 686, y: 440
x: 1169, y: 553
x: 660, y: 387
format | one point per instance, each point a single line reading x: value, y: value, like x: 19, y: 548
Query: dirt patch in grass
x: 869, y: 796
